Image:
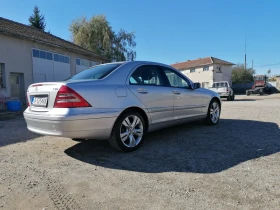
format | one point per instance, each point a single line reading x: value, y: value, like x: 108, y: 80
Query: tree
x: 36, y: 20
x: 240, y: 75
x: 97, y: 35
x: 268, y: 72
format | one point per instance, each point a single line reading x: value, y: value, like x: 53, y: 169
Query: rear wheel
x: 128, y: 132
x: 229, y: 98
x: 213, y: 115
x: 232, y: 97
x: 247, y: 92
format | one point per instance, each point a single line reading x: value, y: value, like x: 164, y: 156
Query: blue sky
x: 173, y: 31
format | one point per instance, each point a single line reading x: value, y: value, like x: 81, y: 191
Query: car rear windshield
x: 220, y: 84
x: 96, y: 72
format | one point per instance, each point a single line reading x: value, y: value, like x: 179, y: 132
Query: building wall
x: 222, y: 73
x: 16, y: 54
x: 201, y: 76
x: 215, y: 73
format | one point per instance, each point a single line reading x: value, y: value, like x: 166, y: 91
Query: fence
x: 242, y: 87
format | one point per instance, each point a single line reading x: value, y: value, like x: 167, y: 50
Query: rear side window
x: 146, y: 75
x: 96, y: 72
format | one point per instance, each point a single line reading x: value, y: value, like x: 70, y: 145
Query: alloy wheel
x: 215, y: 112
x: 131, y: 131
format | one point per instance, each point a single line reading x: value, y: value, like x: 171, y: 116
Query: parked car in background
x: 224, y: 89
x: 120, y: 102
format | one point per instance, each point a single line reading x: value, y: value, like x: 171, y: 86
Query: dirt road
x: 234, y: 165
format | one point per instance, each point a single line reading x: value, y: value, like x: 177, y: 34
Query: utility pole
x: 252, y: 65
x: 245, y: 65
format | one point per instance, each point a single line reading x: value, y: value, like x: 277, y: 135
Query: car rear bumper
x: 92, y: 126
x: 224, y: 94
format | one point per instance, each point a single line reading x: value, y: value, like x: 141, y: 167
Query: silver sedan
x: 120, y: 102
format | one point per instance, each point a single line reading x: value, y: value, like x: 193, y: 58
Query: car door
x: 148, y: 85
x: 187, y: 101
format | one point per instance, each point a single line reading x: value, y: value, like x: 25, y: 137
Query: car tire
x: 261, y: 92
x: 247, y: 92
x: 229, y: 98
x: 128, y: 132
x: 232, y: 97
x: 210, y: 119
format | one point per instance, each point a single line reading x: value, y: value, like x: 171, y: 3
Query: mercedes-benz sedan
x: 120, y: 102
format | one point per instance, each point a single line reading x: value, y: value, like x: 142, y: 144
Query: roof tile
x: 199, y: 62
x: 28, y: 32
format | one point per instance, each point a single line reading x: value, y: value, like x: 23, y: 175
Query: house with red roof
x: 206, y: 70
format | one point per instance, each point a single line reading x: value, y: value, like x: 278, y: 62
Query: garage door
x: 50, y: 67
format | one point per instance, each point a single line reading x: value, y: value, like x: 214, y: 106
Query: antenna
x: 245, y: 65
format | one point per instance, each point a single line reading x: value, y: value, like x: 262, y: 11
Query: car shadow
x: 14, y: 131
x: 247, y: 99
x: 187, y: 148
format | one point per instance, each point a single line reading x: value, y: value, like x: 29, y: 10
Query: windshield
x: 96, y: 72
x: 220, y: 84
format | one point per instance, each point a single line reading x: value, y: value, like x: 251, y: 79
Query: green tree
x: 36, y: 20
x: 268, y: 72
x: 97, y: 35
x: 240, y: 75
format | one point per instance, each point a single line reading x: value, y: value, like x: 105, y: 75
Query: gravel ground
x: 234, y: 165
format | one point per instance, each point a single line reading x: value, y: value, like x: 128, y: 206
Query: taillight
x: 227, y: 89
x: 68, y: 98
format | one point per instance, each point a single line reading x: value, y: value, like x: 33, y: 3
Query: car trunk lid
x: 41, y: 96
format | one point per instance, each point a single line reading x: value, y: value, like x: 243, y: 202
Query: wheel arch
x: 217, y: 99
x: 141, y: 111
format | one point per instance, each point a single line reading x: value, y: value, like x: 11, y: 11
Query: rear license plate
x: 39, y: 101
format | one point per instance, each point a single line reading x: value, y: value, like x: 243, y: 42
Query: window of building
x: 205, y: 84
x: 61, y: 58
x: 86, y: 63
x: 67, y: 59
x: 56, y: 57
x: 43, y: 54
x: 36, y: 53
x: 205, y: 68
x: 78, y: 61
x: 2, y: 75
x: 49, y: 56
x: 192, y: 70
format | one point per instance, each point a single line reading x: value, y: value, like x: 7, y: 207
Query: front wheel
x: 128, y: 132
x: 213, y: 114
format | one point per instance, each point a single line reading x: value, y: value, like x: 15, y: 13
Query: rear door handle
x: 143, y: 91
x: 176, y: 92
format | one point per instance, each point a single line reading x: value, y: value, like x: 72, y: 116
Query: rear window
x: 95, y: 72
x: 220, y: 84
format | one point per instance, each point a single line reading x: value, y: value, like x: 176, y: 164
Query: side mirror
x: 196, y: 85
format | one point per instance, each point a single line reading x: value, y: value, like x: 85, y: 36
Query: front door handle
x: 176, y: 92
x: 143, y: 91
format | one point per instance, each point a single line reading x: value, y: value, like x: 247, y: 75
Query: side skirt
x: 158, y: 126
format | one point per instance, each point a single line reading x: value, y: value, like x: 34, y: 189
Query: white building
x: 206, y: 70
x: 28, y: 55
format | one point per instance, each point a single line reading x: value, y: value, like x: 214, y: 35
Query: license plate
x: 39, y: 101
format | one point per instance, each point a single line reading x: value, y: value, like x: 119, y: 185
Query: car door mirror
x: 196, y: 85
